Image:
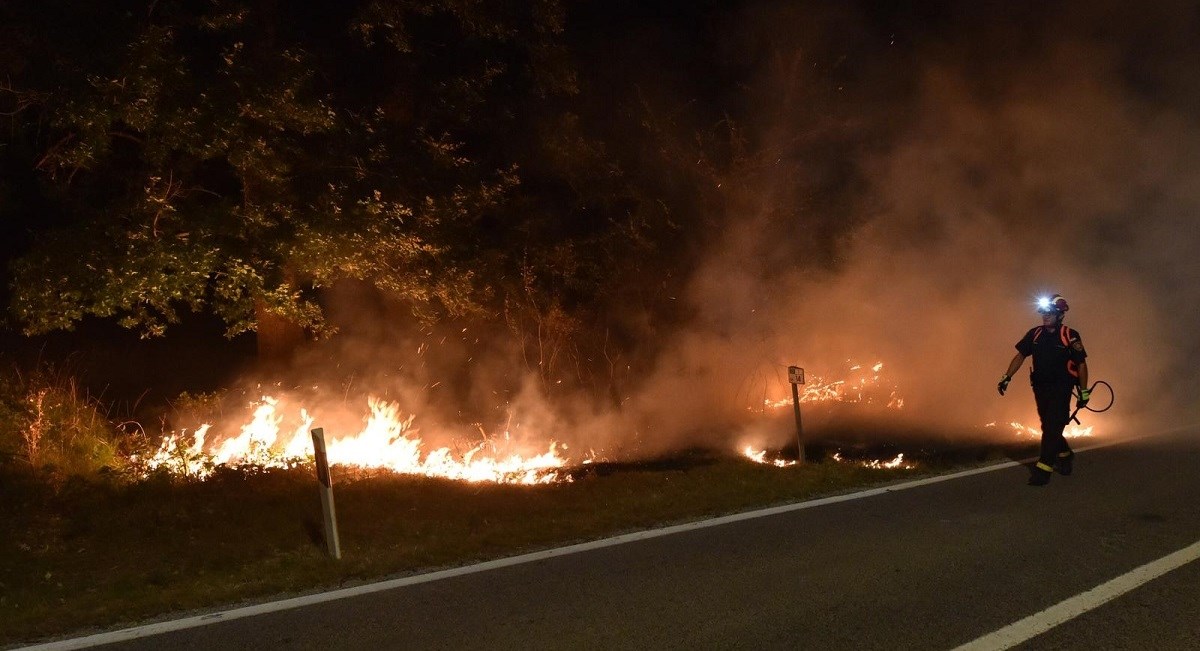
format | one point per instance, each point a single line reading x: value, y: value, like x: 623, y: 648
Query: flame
x: 180, y: 457
x: 1072, y: 431
x: 760, y: 456
x: 1029, y: 431
x: 388, y: 441
x: 860, y: 387
x: 254, y: 445
x: 879, y: 464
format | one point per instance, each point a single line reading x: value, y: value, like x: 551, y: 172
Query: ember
x: 898, y: 462
x: 760, y: 456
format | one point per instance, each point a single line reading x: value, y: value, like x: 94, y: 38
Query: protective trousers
x: 1054, y: 408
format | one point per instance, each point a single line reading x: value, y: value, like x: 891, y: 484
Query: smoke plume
x: 911, y: 182
x: 1033, y: 157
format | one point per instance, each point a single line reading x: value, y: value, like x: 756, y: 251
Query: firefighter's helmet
x: 1052, y: 305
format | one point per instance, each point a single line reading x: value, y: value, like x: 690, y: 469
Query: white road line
x: 158, y: 628
x: 1035, y: 625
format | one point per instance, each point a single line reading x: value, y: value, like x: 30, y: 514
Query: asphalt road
x: 931, y: 567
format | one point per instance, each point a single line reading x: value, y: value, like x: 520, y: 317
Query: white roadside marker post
x: 796, y: 378
x: 323, y: 477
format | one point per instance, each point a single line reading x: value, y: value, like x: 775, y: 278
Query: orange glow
x: 880, y: 464
x: 760, y: 456
x: 388, y: 440
x: 1029, y: 431
x: 862, y: 385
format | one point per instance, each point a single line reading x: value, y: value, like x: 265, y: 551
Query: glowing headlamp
x: 1043, y: 304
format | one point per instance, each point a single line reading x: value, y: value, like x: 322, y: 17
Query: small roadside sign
x: 796, y: 377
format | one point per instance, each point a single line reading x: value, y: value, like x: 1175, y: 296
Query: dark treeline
x: 556, y: 168
x: 566, y: 179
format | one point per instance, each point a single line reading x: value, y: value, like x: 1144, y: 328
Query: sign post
x: 331, y: 533
x: 796, y: 378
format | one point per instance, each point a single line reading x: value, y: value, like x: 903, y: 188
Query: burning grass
x: 386, y: 439
x: 100, y: 552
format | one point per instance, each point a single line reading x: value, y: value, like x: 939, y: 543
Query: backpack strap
x: 1072, y: 367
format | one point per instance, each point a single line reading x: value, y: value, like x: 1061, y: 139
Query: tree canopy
x: 237, y: 157
x: 232, y: 156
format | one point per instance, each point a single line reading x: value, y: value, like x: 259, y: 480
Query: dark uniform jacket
x: 1057, y: 352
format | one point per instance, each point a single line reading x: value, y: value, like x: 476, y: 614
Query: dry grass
x: 49, y: 423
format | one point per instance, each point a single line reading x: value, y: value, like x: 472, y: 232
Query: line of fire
x: 275, y: 433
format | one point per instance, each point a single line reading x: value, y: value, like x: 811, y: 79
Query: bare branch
x: 41, y: 164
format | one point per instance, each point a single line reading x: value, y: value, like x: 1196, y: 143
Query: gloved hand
x: 1084, y: 396
x: 1002, y: 386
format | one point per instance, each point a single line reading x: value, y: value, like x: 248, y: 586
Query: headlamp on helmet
x: 1055, y: 304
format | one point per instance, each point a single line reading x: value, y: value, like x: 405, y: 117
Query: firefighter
x: 1058, y: 367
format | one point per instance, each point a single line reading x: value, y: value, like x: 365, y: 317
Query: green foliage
x: 222, y: 156
x: 203, y: 407
x: 48, y: 423
x: 233, y: 158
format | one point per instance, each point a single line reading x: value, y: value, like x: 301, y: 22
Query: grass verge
x: 94, y: 553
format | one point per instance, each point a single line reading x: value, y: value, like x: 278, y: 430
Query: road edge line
x: 1030, y: 627
x: 195, y: 621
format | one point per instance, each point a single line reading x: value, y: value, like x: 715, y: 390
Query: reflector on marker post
x: 322, y: 461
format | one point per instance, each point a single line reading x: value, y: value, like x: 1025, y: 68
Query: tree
x: 234, y: 156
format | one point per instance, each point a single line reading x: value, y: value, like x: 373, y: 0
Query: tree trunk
x: 278, y: 337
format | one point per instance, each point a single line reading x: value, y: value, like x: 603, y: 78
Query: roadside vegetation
x: 48, y: 422
x: 87, y: 543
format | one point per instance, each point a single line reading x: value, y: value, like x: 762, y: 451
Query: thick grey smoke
x: 1051, y: 173
x: 992, y: 160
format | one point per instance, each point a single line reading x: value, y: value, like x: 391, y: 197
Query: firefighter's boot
x: 1064, y: 464
x: 1039, y: 475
